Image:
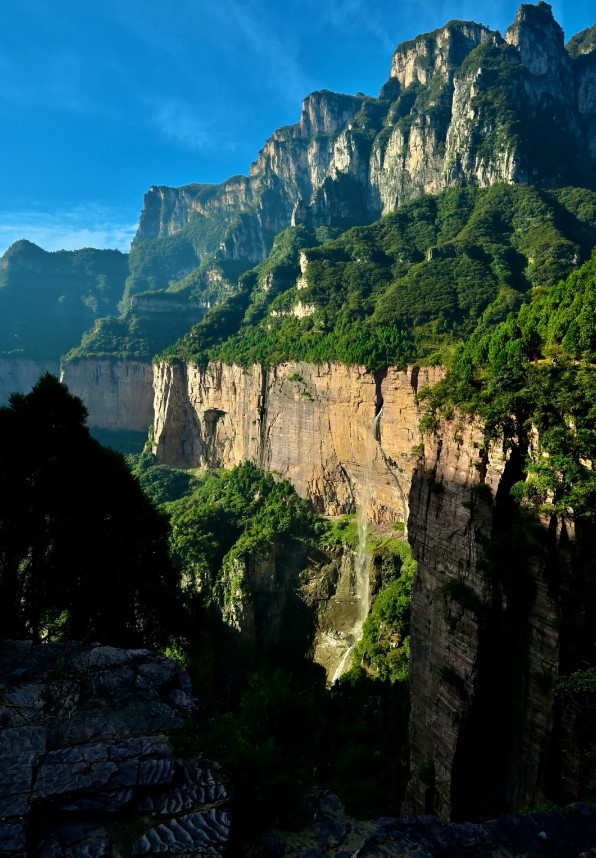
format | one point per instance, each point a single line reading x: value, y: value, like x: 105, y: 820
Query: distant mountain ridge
x: 48, y: 299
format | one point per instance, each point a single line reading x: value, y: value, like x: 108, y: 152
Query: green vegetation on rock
x: 231, y: 515
x: 409, y: 287
x: 384, y: 650
x: 151, y: 322
x: 47, y: 300
x: 536, y: 372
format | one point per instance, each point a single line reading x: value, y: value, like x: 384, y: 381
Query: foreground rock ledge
x: 86, y: 771
x: 85, y: 766
x: 566, y: 833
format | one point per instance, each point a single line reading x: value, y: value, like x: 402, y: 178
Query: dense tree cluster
x: 47, y: 300
x: 83, y: 552
x: 536, y: 370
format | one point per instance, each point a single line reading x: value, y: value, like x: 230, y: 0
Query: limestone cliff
x: 309, y: 423
x: 458, y: 108
x: 19, y: 374
x: 494, y: 623
x: 491, y: 613
x: 312, y: 425
x: 118, y: 394
x: 448, y: 518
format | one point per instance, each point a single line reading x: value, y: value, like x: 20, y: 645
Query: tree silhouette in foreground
x: 83, y: 552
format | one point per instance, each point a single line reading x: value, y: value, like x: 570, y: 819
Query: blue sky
x: 100, y: 99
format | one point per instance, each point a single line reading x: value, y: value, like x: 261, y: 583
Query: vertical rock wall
x: 485, y: 639
x: 18, y: 375
x: 309, y: 423
x: 350, y: 158
x: 485, y: 649
x: 118, y: 394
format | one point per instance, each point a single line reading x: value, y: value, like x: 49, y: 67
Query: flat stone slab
x: 84, y: 758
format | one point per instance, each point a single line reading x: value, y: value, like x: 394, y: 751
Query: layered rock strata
x: 485, y: 631
x: 352, y: 158
x: 86, y: 765
x: 314, y: 426
x: 486, y: 640
x: 311, y: 424
x: 331, y: 832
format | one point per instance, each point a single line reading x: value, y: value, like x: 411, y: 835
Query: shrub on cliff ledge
x: 384, y: 650
x: 233, y: 514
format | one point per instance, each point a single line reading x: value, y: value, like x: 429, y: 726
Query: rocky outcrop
x: 19, y: 374
x: 291, y: 166
x: 86, y: 765
x: 584, y: 71
x: 486, y: 643
x: 411, y: 156
x: 167, y: 210
x: 118, y: 394
x: 311, y: 424
x: 258, y: 597
x: 330, y: 590
x: 540, y: 43
x: 436, y: 55
x: 487, y: 634
x: 568, y: 833
x: 448, y: 518
x: 456, y: 110
x: 287, y: 599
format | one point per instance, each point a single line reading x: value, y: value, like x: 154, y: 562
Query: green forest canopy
x: 407, y: 288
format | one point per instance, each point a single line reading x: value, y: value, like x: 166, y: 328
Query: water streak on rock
x: 362, y: 565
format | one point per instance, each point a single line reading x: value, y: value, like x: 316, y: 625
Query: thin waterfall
x: 362, y: 564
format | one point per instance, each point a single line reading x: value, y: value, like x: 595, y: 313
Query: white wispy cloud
x: 358, y: 15
x: 84, y: 225
x: 269, y: 47
x: 177, y: 121
x: 211, y: 39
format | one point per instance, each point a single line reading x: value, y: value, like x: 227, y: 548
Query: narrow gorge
x: 312, y: 425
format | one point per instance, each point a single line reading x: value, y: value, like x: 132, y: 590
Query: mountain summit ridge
x: 463, y: 105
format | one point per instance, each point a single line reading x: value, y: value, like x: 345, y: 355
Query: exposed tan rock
x: 423, y: 135
x: 436, y: 54
x: 483, y: 664
x: 312, y: 425
x: 309, y: 423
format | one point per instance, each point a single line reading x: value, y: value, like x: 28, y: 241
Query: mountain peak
x: 538, y: 37
x: 441, y: 51
x: 22, y: 249
x: 582, y: 43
